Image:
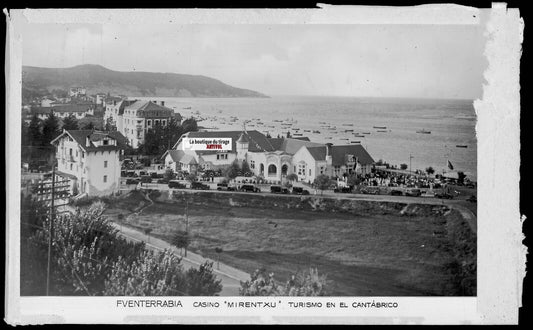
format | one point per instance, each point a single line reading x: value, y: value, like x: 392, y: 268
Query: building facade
x: 140, y: 116
x: 90, y: 161
x: 274, y: 159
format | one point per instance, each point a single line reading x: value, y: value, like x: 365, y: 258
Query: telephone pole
x: 186, y: 224
x: 50, y: 231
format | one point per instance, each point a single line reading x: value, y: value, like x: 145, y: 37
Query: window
x: 105, y: 163
x: 149, y: 123
x: 76, y: 153
x: 70, y: 151
x: 106, y: 142
x: 164, y: 122
x: 252, y: 164
x: 309, y: 172
x: 105, y: 178
x: 71, y: 166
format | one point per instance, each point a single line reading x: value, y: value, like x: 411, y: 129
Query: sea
x: 390, y: 129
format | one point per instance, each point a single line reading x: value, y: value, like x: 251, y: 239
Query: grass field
x: 379, y: 255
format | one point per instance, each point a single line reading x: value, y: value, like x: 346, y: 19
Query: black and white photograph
x: 167, y: 159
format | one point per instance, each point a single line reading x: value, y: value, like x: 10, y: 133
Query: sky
x: 420, y: 61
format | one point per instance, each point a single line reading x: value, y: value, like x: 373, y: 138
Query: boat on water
x: 316, y: 132
x: 383, y: 131
x: 355, y: 141
x: 298, y: 134
x: 347, y: 124
x: 307, y: 130
x: 187, y: 108
x: 423, y: 131
x: 359, y: 136
x: 345, y: 139
x: 366, y: 133
x: 380, y: 127
x: 461, y: 146
x: 328, y: 138
x: 348, y: 130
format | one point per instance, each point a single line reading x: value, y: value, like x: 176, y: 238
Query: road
x: 229, y: 276
x: 452, y: 203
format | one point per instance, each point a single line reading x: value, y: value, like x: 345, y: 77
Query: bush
x: 300, y: 284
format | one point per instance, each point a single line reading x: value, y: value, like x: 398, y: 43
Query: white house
x: 140, y: 116
x: 64, y: 110
x: 77, y: 91
x: 47, y: 101
x: 89, y: 159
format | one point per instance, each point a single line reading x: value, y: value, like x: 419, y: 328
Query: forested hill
x: 98, y: 79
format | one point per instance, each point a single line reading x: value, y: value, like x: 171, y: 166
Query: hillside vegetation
x: 98, y: 79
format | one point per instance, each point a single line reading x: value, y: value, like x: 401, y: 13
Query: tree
x: 89, y: 125
x: 322, y: 182
x: 430, y: 170
x: 169, y: 174
x: 461, y: 177
x: 189, y: 125
x: 70, y: 123
x: 50, y: 129
x: 202, y: 281
x: 24, y: 134
x: 233, y: 170
x: 181, y: 240
x: 34, y: 131
x: 353, y: 180
x: 403, y: 166
x: 300, y: 284
x: 268, y: 135
x: 288, y: 134
x: 110, y: 125
x: 292, y: 177
x: 245, y: 169
x: 191, y: 177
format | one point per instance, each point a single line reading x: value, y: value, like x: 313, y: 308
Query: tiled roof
x: 291, y: 145
x: 258, y: 142
x: 318, y: 153
x: 80, y: 137
x: 66, y: 108
x: 110, y: 99
x: 338, y: 154
x: 144, y: 108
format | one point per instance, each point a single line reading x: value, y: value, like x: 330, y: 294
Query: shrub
x: 299, y: 284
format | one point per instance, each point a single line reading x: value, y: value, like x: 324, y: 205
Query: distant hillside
x: 98, y: 79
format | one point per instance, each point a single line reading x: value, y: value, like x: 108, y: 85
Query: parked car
x: 176, y: 184
x: 279, y: 190
x: 250, y: 188
x: 370, y: 190
x: 300, y: 191
x: 472, y: 199
x: 444, y: 195
x: 343, y: 190
x: 225, y: 187
x: 396, y: 192
x: 146, y: 179
x: 413, y: 192
x: 132, y: 181
x: 199, y: 186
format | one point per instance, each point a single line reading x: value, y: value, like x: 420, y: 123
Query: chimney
x: 328, y: 149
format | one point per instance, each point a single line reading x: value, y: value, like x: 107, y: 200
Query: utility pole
x: 410, y: 158
x: 50, y: 232
x: 186, y: 223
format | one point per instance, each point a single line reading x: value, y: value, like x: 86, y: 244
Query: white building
x: 140, y: 116
x: 77, y: 91
x: 64, y: 110
x: 90, y: 160
x: 273, y: 159
x: 100, y: 99
x: 47, y: 101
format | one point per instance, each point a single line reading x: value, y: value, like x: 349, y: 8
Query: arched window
x: 284, y: 169
x: 272, y: 169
